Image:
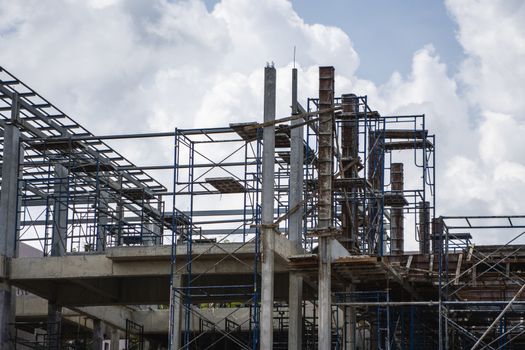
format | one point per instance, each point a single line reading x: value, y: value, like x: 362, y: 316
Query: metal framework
x: 368, y: 181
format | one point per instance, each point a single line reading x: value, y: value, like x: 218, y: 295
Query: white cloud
x: 492, y: 34
x: 132, y: 66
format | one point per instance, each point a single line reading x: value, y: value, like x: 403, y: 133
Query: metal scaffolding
x: 274, y: 230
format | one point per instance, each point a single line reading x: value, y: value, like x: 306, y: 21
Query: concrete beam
x: 124, y: 275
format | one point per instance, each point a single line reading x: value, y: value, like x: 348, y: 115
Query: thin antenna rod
x: 294, y: 56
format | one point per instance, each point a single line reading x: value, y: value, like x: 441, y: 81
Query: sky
x: 126, y: 66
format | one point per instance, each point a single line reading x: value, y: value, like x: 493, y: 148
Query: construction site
x: 286, y: 232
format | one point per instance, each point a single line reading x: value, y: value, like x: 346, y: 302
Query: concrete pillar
x: 295, y: 226
x: 350, y: 152
x: 103, y: 220
x: 325, y: 159
x: 396, y: 213
x: 60, y: 208
x: 175, y: 324
x: 349, y: 315
x: 58, y: 248
x: 376, y: 178
x: 114, y: 337
x: 54, y: 322
x: 267, y: 231
x: 12, y: 156
x: 438, y: 239
x: 374, y: 339
x: 424, y: 227
x: 98, y: 335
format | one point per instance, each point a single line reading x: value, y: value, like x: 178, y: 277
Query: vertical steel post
x: 295, y: 227
x: 267, y: 232
x: 12, y: 156
x: 175, y: 312
x: 325, y: 159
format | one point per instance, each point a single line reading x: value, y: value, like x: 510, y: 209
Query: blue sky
x: 386, y: 33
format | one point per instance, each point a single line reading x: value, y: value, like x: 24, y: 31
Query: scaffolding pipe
x: 267, y: 231
x: 496, y: 320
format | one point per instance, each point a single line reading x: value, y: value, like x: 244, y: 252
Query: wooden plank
x: 470, y: 251
x: 409, y: 262
x: 458, y: 269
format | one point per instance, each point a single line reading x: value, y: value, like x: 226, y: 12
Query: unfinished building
x: 282, y: 233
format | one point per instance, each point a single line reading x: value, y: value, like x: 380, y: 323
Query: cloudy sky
x: 123, y: 66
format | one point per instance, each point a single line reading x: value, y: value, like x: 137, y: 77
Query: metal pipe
x: 496, y: 320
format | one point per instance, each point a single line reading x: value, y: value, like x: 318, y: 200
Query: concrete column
x: 424, y: 227
x: 267, y: 231
x: 325, y: 177
x: 376, y: 178
x: 58, y: 248
x: 98, y: 335
x: 176, y: 313
x: 438, y: 239
x: 349, y: 315
x: 103, y: 220
x: 295, y: 226
x: 8, y: 221
x: 60, y: 194
x: 114, y: 337
x: 374, y: 339
x: 120, y: 213
x: 350, y: 152
x: 54, y: 321
x: 396, y: 213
